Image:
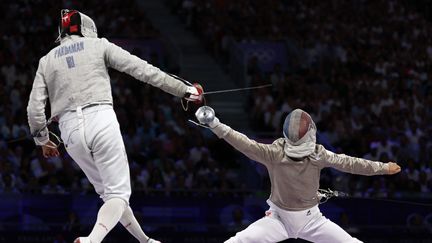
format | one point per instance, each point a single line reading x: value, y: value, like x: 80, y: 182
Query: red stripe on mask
x: 67, y: 18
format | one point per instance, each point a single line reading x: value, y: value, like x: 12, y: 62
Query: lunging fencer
x: 74, y: 77
x: 294, y: 162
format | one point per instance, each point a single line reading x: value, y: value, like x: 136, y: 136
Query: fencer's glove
x: 41, y: 137
x: 393, y: 168
x: 194, y: 93
x: 206, y: 116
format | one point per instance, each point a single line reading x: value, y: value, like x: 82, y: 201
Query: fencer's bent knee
x: 122, y: 202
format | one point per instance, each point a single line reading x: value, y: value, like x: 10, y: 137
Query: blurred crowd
x: 166, y: 153
x: 361, y: 68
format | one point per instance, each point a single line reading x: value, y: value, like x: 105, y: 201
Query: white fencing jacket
x: 75, y: 73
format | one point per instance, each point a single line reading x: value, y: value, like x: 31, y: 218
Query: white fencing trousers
x: 279, y: 225
x: 92, y: 138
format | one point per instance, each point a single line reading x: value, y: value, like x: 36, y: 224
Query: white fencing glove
x: 206, y: 116
x: 194, y: 93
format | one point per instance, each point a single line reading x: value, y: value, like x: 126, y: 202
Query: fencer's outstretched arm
x: 252, y: 149
x: 123, y: 61
x: 75, y: 73
x: 354, y: 165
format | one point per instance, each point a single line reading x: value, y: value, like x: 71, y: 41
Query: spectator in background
x: 52, y: 187
x: 8, y: 184
x: 73, y: 223
x: 345, y: 222
x: 238, y: 221
x: 424, y: 182
x: 378, y: 189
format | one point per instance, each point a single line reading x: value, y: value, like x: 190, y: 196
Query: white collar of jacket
x: 69, y: 38
x: 303, y: 147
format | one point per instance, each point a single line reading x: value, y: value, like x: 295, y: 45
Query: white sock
x: 129, y: 221
x: 108, y: 216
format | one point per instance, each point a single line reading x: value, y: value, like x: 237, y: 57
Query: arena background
x: 362, y: 68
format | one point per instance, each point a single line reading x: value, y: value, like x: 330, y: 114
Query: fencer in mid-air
x: 294, y: 162
x: 74, y: 78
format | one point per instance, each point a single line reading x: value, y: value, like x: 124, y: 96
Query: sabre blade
x: 219, y: 91
x: 234, y: 90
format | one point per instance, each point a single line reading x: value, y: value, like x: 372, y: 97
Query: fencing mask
x: 299, y: 131
x: 73, y: 22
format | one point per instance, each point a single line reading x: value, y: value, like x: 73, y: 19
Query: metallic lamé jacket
x: 294, y: 183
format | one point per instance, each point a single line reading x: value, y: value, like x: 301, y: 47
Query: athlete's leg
x: 106, y: 144
x: 111, y: 161
x: 129, y: 221
x: 74, y: 147
x: 109, y: 154
x: 108, y: 216
x: 267, y: 229
x: 322, y: 230
x: 100, y: 153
